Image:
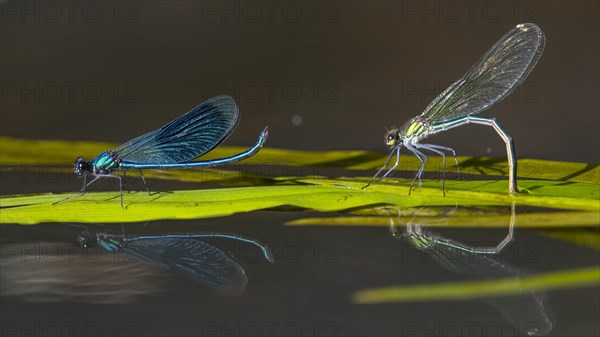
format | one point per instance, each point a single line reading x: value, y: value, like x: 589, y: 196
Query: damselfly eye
x: 391, y: 138
x: 79, y: 166
x: 82, y: 242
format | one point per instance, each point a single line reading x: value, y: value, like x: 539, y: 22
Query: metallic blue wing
x: 185, y: 138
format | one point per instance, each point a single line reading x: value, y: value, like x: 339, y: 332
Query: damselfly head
x: 395, y: 233
x: 80, y: 166
x: 84, y: 239
x: 392, y: 138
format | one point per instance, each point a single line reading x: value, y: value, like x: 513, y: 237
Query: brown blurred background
x: 322, y: 75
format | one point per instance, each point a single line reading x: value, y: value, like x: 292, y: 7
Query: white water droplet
x: 296, y: 120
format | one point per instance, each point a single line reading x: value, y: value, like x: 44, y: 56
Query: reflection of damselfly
x: 423, y: 239
x: 490, y: 80
x: 527, y: 311
x: 187, y: 254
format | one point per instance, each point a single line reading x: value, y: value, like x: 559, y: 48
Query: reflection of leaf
x: 466, y: 290
x: 528, y: 220
x: 28, y: 152
x: 328, y: 195
x: 581, y: 237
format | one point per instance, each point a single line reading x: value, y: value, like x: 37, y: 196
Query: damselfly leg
x: 423, y: 158
x: 83, y: 189
x: 445, y: 148
x: 146, y: 185
x: 96, y: 178
x: 426, y: 147
x: 396, y: 150
x: 395, y: 164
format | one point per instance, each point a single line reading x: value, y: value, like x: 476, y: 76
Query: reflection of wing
x: 193, y: 258
x: 185, y: 138
x: 528, y: 312
x: 493, y: 77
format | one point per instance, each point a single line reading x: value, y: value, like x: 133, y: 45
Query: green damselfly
x: 490, y: 80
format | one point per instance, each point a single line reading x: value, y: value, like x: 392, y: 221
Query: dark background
x: 109, y: 71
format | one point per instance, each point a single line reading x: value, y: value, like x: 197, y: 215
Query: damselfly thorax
x: 104, y: 163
